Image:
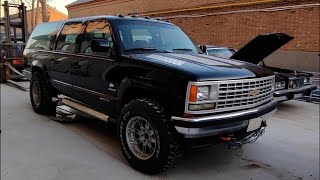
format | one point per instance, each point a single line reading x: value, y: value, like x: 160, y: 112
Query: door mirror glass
x: 100, y: 45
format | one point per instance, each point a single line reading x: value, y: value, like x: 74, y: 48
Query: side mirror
x: 203, y: 48
x: 100, y: 45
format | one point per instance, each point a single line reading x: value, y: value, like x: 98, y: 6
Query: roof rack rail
x: 134, y: 16
x: 147, y: 17
x: 119, y: 15
x: 167, y: 21
x: 158, y: 19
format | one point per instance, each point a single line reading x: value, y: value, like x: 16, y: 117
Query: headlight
x: 203, y: 97
x: 203, y: 93
x: 280, y: 85
x: 308, y: 80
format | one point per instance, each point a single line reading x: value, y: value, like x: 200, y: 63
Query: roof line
x: 61, y: 13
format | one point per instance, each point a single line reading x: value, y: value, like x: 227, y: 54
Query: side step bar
x: 85, y: 109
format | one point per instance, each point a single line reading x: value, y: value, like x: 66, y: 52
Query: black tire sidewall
x: 35, y: 78
x: 159, y: 158
x: 46, y: 106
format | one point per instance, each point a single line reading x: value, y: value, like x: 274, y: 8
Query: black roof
x: 118, y: 17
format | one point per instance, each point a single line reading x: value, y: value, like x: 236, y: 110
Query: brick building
x: 228, y: 22
x: 54, y: 15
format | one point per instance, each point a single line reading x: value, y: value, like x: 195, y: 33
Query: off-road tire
x: 168, y: 147
x: 46, y: 106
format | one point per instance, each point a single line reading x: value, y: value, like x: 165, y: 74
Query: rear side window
x: 42, y: 35
x: 68, y: 37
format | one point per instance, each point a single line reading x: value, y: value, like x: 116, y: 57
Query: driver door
x: 90, y: 70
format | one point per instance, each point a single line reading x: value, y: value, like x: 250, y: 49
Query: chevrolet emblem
x: 254, y: 93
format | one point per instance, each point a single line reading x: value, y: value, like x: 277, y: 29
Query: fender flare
x: 144, y: 84
x: 43, y: 69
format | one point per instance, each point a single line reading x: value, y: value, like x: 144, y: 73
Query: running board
x: 85, y: 109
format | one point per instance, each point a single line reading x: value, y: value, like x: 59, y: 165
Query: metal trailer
x: 12, y: 62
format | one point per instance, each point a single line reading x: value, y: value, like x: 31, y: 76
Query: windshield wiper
x: 142, y: 49
x: 182, y: 49
x: 148, y: 49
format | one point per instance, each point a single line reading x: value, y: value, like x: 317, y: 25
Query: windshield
x: 221, y: 52
x: 143, y: 35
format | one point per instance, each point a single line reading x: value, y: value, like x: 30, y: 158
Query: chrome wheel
x: 141, y: 138
x: 36, y: 93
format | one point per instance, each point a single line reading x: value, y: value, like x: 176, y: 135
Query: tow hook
x: 233, y: 143
x: 264, y: 124
x: 236, y: 144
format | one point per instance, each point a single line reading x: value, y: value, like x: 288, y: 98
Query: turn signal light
x: 193, y: 93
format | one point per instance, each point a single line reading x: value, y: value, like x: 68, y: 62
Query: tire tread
x: 175, y: 148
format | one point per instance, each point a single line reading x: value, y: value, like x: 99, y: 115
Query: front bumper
x: 287, y: 94
x: 221, y: 123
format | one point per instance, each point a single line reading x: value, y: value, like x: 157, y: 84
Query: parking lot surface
x: 34, y: 147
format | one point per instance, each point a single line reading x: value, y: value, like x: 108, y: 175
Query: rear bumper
x: 219, y: 123
x: 288, y: 94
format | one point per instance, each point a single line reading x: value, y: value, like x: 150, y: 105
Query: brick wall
x: 227, y: 30
x: 54, y: 15
x: 112, y: 7
x: 236, y: 29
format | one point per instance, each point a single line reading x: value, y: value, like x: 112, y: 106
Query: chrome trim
x: 75, y: 54
x: 285, y: 91
x: 85, y: 109
x: 85, y: 90
x: 209, y: 83
x: 62, y: 83
x: 225, y: 115
x: 210, y: 131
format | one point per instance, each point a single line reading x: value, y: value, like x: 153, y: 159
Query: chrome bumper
x: 287, y: 94
x: 215, y: 124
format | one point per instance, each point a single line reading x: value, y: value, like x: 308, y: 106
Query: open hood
x: 261, y: 47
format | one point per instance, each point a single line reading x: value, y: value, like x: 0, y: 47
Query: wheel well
x: 135, y: 93
x: 44, y: 73
x: 36, y: 69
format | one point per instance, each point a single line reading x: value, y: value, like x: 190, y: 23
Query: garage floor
x: 34, y: 147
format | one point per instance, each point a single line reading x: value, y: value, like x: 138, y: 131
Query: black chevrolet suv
x: 152, y: 79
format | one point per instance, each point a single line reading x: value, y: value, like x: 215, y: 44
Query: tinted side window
x: 42, y: 35
x: 68, y: 36
x: 99, y: 29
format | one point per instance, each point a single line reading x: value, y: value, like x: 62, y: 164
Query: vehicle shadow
x: 103, y: 136
x: 287, y: 107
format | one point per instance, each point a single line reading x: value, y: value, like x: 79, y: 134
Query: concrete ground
x: 34, y: 147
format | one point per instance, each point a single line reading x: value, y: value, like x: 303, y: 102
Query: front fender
x: 167, y: 88
x: 142, y: 85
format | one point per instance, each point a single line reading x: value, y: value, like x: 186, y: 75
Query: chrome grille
x: 296, y: 82
x: 245, y: 93
x: 235, y: 94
